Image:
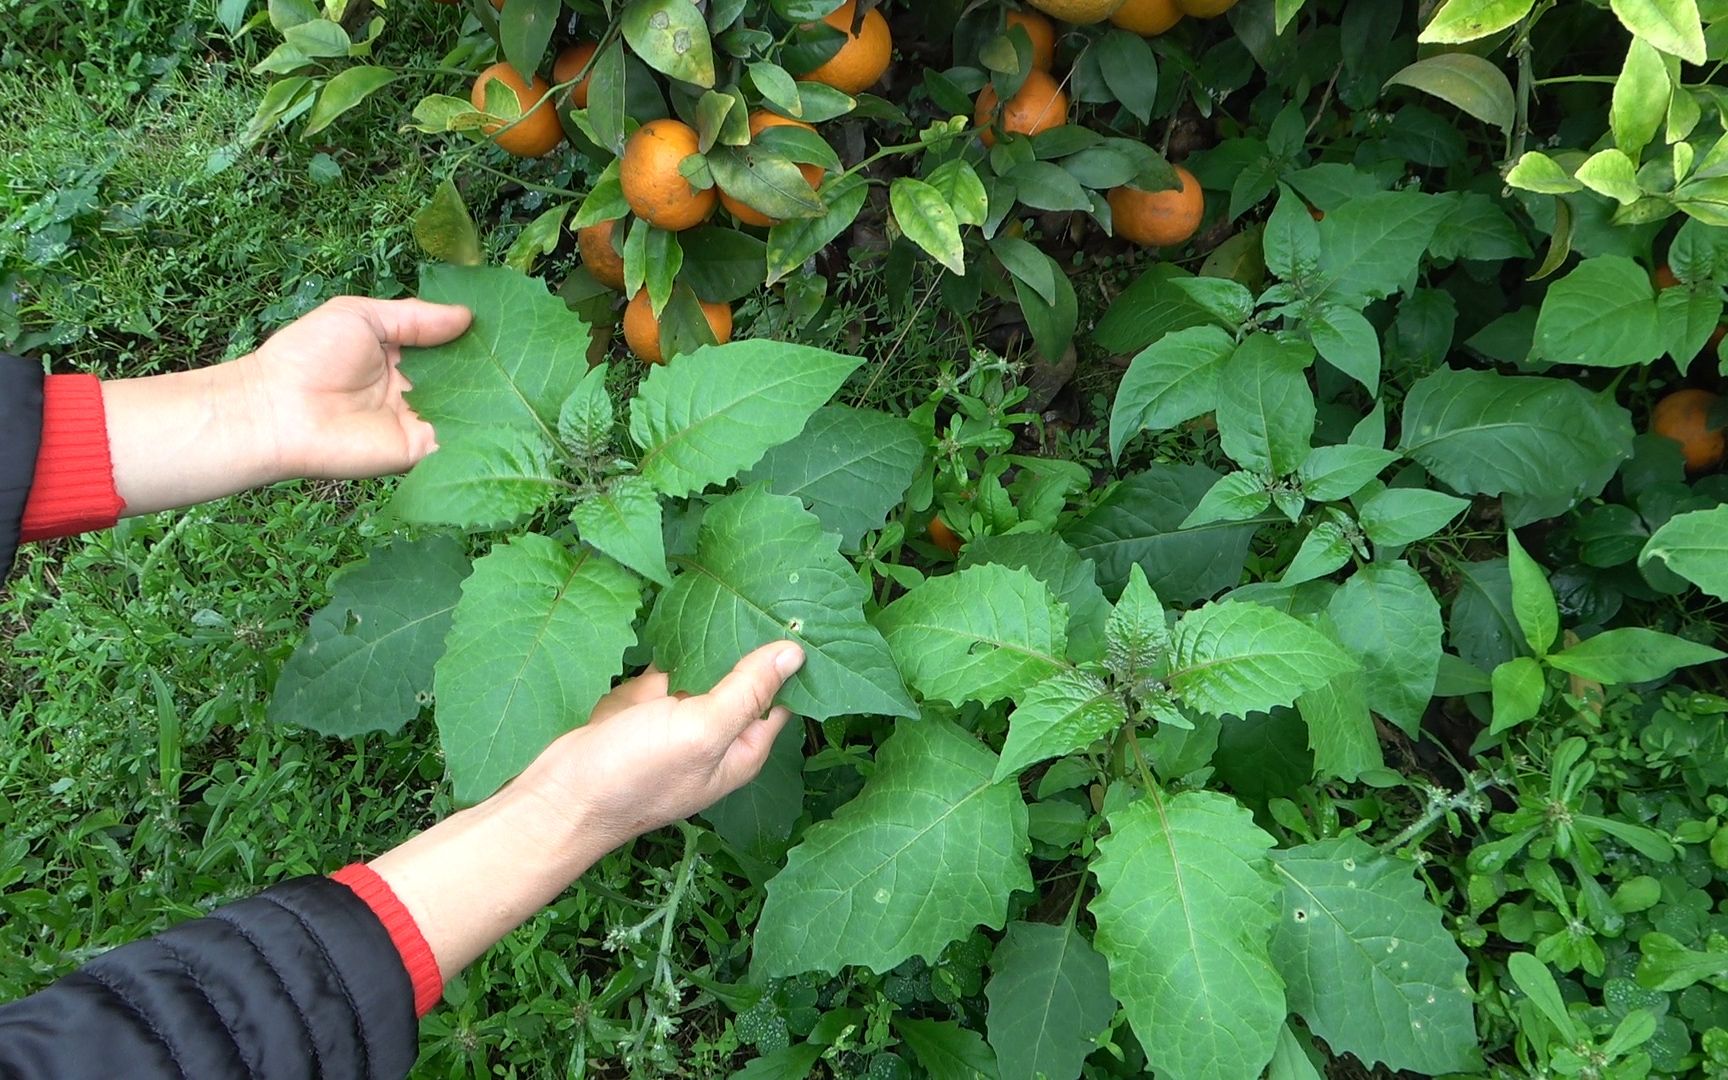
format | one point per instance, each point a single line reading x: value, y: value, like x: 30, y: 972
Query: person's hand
x: 328, y: 387
x: 648, y: 758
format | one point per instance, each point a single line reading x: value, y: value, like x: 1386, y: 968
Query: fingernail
x: 789, y: 660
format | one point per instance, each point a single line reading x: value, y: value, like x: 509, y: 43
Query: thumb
x: 415, y: 322
x: 747, y: 692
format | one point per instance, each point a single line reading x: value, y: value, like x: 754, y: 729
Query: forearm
x: 188, y: 437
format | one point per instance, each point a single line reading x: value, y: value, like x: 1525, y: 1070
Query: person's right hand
x: 648, y: 758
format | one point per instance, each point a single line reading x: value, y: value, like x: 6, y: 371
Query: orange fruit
x: 599, y: 256
x: 653, y: 186
x: 863, y: 58
x: 642, y: 329
x: 1158, y: 218
x: 760, y: 121
x: 1205, y: 9
x: 1148, y: 18
x: 1077, y: 11
x: 1043, y: 34
x: 944, y: 537
x: 537, y: 132
x: 1684, y: 416
x: 1039, y: 105
x: 1664, y: 277
x: 569, y: 64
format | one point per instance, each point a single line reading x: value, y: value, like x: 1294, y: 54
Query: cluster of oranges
x: 1148, y: 218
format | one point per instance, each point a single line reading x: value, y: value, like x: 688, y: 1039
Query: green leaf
x: 1477, y: 228
x: 1518, y: 688
x: 849, y: 466
x: 538, y: 637
x: 1059, y: 716
x: 1348, y: 341
x: 1172, y: 381
x: 1130, y: 70
x: 1466, y: 81
x: 366, y: 661
x: 344, y: 91
x: 1386, y: 617
x: 1460, y: 21
x: 485, y: 480
x: 1671, y: 25
x: 963, y: 190
x: 713, y: 413
x: 1049, y: 995
x: 1538, y: 172
x: 1236, y: 496
x: 1027, y: 264
x: 1184, y: 912
x: 537, y: 238
x: 1399, y: 516
x: 1483, y: 433
x: 1072, y: 580
x: 767, y: 182
x: 1148, y: 310
x: 1341, y: 731
x: 1369, y: 246
x: 930, y: 822
x: 946, y: 1050
x: 1231, y: 659
x: 1291, y: 242
x: 982, y: 634
x: 1632, y: 655
x: 1695, y: 546
x: 586, y: 419
x: 762, y: 813
x: 1666, y: 965
x: 525, y: 29
x: 1602, y: 314
x: 787, y: 1063
x: 928, y: 221
x: 1325, y: 550
x: 1332, y: 473
x: 1044, y: 185
x: 624, y: 522
x: 1137, y: 634
x: 1532, y: 598
x: 1368, y: 961
x: 672, y: 38
x: 444, y: 230
x: 1641, y: 96
x: 1481, y: 625
x: 792, y: 242
x: 1611, y: 173
x: 1688, y: 319
x: 1139, y: 522
x: 764, y: 571
x: 1265, y: 406
x: 1532, y: 976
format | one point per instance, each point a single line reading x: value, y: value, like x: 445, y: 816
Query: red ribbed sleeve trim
x: 74, y: 487
x: 404, y: 933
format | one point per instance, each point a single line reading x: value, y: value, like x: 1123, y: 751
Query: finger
x: 749, y: 752
x: 649, y: 686
x: 411, y: 322
x: 747, y: 692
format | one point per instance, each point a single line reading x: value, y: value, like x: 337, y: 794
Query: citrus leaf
x: 538, y: 637
x: 524, y: 30
x: 982, y: 634
x: 1368, y: 962
x: 366, y: 661
x: 1235, y: 658
x: 1387, y: 617
x: 344, y: 91
x: 1467, y: 81
x: 928, y: 221
x: 849, y: 466
x: 1185, y: 911
x: 767, y: 182
x: 1695, y: 546
x: 1641, y: 97
x: 929, y: 823
x: 1172, y: 381
x: 764, y: 571
x: 1068, y: 712
x: 712, y: 413
x: 1466, y: 20
x: 790, y: 243
x: 672, y: 38
x: 624, y: 522
x: 1631, y: 655
x: 1049, y: 995
x: 1671, y: 25
x: 445, y: 231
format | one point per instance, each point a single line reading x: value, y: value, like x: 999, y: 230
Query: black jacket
x: 300, y: 981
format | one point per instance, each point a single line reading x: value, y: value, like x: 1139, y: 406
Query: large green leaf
x: 1234, y: 658
x: 1370, y: 245
x: 982, y: 634
x: 849, y: 466
x: 539, y: 636
x: 1185, y: 912
x: 1049, y: 996
x: 1386, y: 616
x: 1367, y: 961
x: 624, y: 521
x: 1632, y: 654
x: 1172, y: 380
x: 1063, y: 714
x: 1673, y: 26
x: 1695, y: 546
x: 763, y: 812
x: 1073, y: 580
x: 947, y: 1050
x: 710, y: 414
x: 930, y: 849
x: 485, y: 480
x: 764, y: 570
x: 1466, y: 20
x: 1265, y: 406
x: 1487, y: 434
x: 1140, y: 521
x: 1340, y: 728
x: 1482, y: 626
x: 366, y: 662
x: 1602, y: 314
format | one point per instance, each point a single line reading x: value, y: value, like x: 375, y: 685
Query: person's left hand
x: 329, y: 387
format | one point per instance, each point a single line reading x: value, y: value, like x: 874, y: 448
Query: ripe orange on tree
x: 1147, y: 17
x: 1205, y: 9
x: 653, y: 186
x: 944, y: 537
x: 569, y: 64
x: 864, y: 56
x: 642, y: 329
x: 599, y: 256
x: 760, y: 121
x: 1042, y: 33
x: 1684, y: 416
x: 537, y: 132
x: 1078, y: 11
x: 1039, y: 105
x: 1158, y: 218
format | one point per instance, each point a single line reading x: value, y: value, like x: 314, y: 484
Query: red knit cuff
x: 74, y: 487
x: 404, y: 933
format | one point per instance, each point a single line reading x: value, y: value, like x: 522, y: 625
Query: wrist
x: 255, y: 408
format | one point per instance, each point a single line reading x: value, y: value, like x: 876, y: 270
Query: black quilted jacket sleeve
x: 300, y: 981
x: 20, y: 436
